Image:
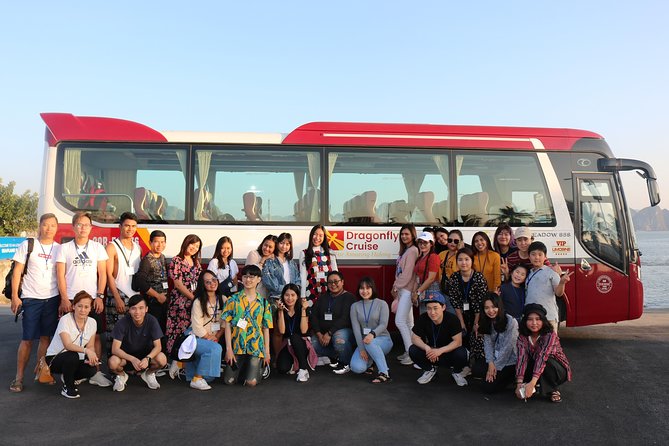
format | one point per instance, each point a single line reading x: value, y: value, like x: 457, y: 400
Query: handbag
x: 44, y: 371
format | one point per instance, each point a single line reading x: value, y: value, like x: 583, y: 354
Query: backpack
x: 8, y: 278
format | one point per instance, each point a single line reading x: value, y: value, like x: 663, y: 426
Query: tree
x: 17, y: 212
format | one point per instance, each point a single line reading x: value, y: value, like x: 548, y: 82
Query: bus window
x: 253, y: 185
x: 368, y: 187
x: 494, y: 188
x: 149, y: 181
x: 600, y: 224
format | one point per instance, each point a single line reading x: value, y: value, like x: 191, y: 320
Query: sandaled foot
x: 369, y: 371
x: 556, y: 397
x: 16, y: 386
x: 381, y: 378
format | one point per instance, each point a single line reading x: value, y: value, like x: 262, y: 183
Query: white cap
x: 427, y: 236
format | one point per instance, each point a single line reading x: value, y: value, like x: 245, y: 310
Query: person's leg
x: 377, y: 351
x: 48, y: 324
x: 457, y: 359
x: 323, y: 350
x: 67, y: 364
x: 404, y: 317
x: 253, y: 373
x: 32, y: 310
x: 343, y: 341
x: 359, y: 365
x: 231, y: 373
x: 479, y: 368
x: 208, y: 362
x: 502, y: 380
x: 284, y: 361
x: 554, y: 374
x: 418, y: 356
x: 300, y: 349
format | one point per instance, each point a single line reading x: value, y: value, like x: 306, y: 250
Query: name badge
x: 132, y: 270
x: 165, y: 286
x: 366, y: 331
x: 242, y: 323
x: 465, y: 307
x: 215, y: 327
x: 193, y: 286
x: 328, y: 316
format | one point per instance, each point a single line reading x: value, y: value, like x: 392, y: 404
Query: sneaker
x: 342, y: 370
x: 466, y: 371
x: 427, y: 376
x: 174, y: 369
x: 323, y: 360
x: 79, y: 381
x: 403, y: 356
x: 99, y: 379
x: 266, y: 372
x: 417, y: 367
x: 69, y: 393
x: 120, y: 382
x: 163, y: 371
x: 200, y: 384
x: 459, y: 379
x: 302, y: 376
x: 150, y: 379
x: 406, y: 361
x: 333, y: 363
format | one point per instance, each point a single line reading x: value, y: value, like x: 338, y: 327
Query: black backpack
x: 8, y: 278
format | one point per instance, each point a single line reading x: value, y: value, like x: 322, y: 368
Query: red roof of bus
x: 67, y: 127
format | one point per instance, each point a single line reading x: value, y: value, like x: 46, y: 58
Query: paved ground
x: 618, y: 396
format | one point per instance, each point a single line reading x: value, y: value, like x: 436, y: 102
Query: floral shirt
x: 250, y: 340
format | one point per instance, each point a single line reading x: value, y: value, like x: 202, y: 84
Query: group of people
x: 486, y: 311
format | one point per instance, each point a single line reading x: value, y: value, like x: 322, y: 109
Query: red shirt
x: 433, y: 263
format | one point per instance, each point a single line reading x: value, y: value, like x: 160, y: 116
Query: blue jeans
x: 207, y: 361
x: 340, y: 346
x: 377, y: 351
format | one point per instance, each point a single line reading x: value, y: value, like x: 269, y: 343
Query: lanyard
x: 530, y: 277
x: 435, y: 334
x: 249, y: 308
x: 81, y: 332
x: 330, y: 300
x: 122, y: 248
x: 466, y: 286
x: 46, y: 256
x: 215, y: 307
x: 291, y: 326
x: 478, y: 260
x: 365, y: 314
x: 83, y: 255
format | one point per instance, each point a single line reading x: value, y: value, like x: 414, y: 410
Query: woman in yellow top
x: 487, y: 261
x: 448, y: 264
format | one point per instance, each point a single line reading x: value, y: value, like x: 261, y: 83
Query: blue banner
x: 8, y: 246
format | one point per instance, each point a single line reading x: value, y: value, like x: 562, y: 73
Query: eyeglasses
x: 453, y: 240
x: 334, y: 282
x: 249, y: 276
x: 210, y: 282
x: 83, y: 225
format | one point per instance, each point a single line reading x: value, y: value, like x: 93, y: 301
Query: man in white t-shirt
x: 82, y: 265
x: 39, y: 293
x: 123, y: 262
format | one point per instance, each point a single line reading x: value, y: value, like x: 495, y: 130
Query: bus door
x: 602, y: 274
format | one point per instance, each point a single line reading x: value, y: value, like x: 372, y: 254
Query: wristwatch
x: 100, y: 295
x: 372, y: 333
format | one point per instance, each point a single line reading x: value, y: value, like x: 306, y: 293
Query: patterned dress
x: 317, y: 270
x: 178, y: 314
x: 468, y: 297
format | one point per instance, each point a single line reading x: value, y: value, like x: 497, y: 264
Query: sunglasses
x: 453, y: 240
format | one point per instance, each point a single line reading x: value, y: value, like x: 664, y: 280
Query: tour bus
x: 362, y: 182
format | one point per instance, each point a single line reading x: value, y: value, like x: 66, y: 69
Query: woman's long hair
x: 500, y: 321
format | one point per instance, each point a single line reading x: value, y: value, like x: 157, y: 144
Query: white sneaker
x: 417, y: 367
x: 466, y: 371
x: 174, y: 369
x: 323, y: 360
x: 302, y: 376
x: 150, y: 379
x: 342, y: 370
x: 406, y: 361
x: 162, y: 371
x: 120, y: 382
x: 100, y: 380
x: 200, y: 384
x: 427, y: 376
x: 459, y: 379
x: 403, y: 356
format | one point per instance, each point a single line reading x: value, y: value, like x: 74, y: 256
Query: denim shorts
x: 40, y: 317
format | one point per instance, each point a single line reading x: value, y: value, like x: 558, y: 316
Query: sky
x: 272, y: 66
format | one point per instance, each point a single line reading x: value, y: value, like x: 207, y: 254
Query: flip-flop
x: 16, y: 386
x: 556, y: 397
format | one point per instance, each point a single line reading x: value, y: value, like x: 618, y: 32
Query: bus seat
x: 441, y: 211
x: 159, y: 206
x: 368, y: 204
x: 398, y: 212
x: 473, y: 208
x: 142, y: 202
x: 252, y: 206
x: 424, y: 201
x: 360, y: 209
x: 347, y: 209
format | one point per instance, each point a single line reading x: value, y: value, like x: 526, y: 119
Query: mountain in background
x: 651, y: 219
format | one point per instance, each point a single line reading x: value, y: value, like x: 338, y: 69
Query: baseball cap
x: 426, y: 236
x: 523, y: 231
x: 434, y: 297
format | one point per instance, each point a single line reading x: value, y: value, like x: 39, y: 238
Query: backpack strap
x: 31, y: 246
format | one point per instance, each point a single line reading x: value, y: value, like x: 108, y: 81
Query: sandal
x: 381, y: 378
x: 16, y: 386
x: 556, y: 397
x: 369, y: 371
